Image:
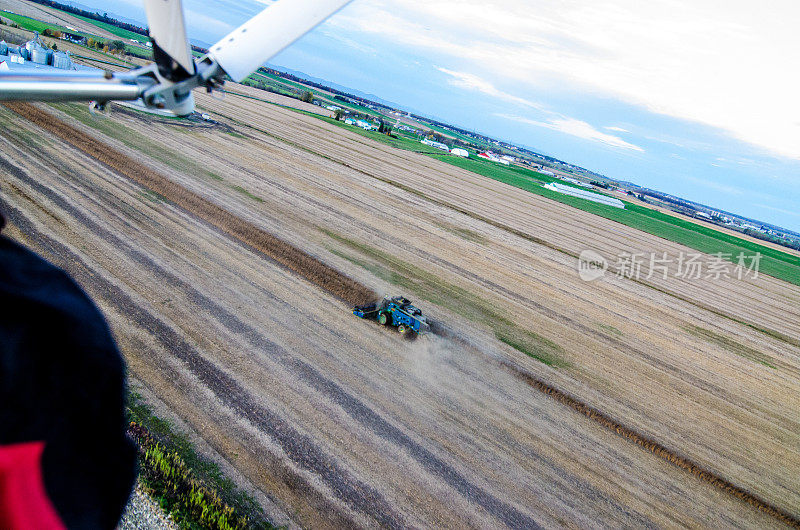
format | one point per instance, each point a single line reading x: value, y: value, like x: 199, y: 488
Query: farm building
x: 33, y: 55
x: 367, y: 126
x: 488, y: 155
x: 583, y: 194
x: 74, y: 38
x: 576, y: 182
x: 463, y: 153
x: 437, y: 145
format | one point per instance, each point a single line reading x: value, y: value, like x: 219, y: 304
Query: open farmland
x: 51, y: 17
x: 341, y: 422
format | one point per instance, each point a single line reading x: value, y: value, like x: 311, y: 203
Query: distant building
x: 463, y: 153
x: 583, y: 194
x: 73, y: 37
x: 576, y: 182
x: 33, y: 55
x: 437, y: 145
x: 488, y: 155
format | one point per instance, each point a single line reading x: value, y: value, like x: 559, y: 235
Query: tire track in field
x: 514, y: 231
x: 355, y: 408
x: 294, y: 259
x: 298, y: 447
x: 243, y: 231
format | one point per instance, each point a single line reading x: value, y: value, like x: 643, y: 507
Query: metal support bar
x: 71, y: 86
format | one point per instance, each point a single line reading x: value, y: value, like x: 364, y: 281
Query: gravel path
x: 144, y: 513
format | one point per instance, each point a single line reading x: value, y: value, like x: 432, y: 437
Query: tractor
x: 397, y: 312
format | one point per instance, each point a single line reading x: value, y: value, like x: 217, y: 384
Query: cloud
x: 577, y: 128
x: 209, y: 23
x: 618, y: 129
x: 779, y: 210
x: 556, y: 122
x: 473, y: 82
x: 712, y: 62
x: 729, y: 190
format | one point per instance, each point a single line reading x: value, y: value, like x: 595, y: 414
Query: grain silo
x: 61, y: 60
x: 39, y: 54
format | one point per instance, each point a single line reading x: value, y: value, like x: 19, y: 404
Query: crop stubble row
x: 338, y: 284
x: 764, y: 306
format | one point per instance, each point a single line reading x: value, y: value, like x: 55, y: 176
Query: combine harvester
x: 395, y: 311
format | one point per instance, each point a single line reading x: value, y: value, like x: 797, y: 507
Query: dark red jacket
x: 62, y: 391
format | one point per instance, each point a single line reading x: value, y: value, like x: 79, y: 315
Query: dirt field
x: 257, y: 93
x: 53, y: 16
x: 342, y: 422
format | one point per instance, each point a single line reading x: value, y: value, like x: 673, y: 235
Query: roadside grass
x: 190, y: 487
x: 135, y: 140
x: 452, y: 297
x: 731, y: 345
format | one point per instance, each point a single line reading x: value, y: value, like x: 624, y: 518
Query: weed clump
x: 171, y: 481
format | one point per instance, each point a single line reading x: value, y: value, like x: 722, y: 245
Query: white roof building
x: 437, y: 145
x: 583, y: 194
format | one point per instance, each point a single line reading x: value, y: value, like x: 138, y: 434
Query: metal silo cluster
x: 35, y: 52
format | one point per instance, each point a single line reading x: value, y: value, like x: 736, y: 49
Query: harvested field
x: 423, y: 433
x: 261, y: 241
x: 263, y: 95
x: 53, y: 16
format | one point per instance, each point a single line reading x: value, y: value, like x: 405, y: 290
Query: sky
x: 694, y: 98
